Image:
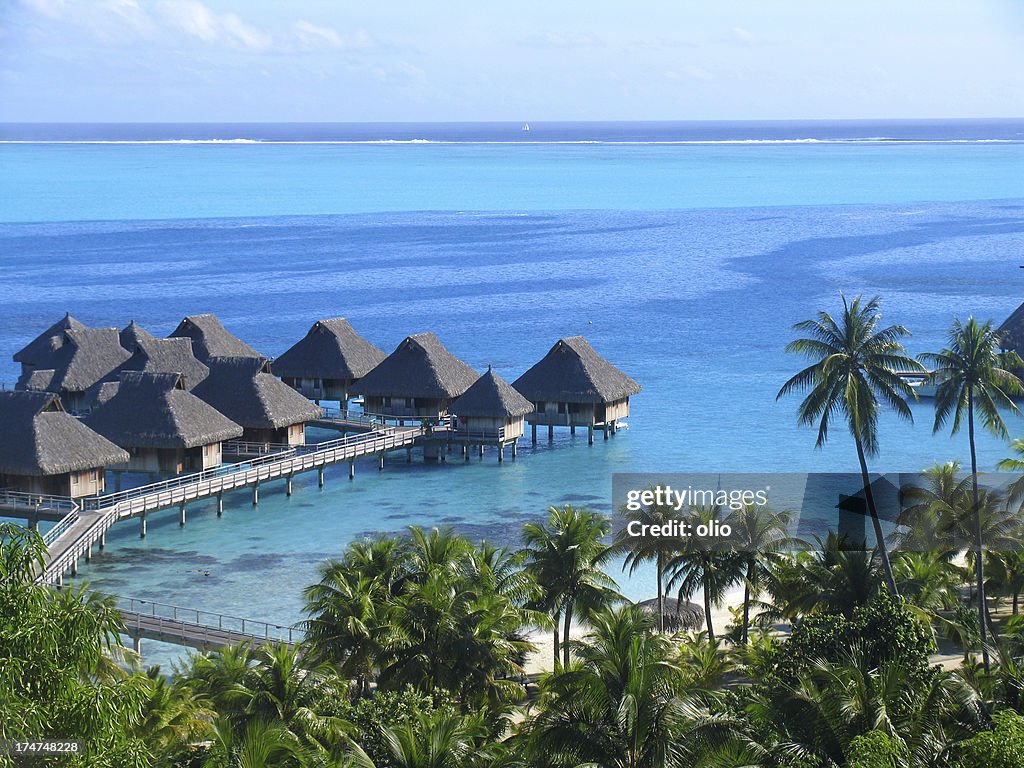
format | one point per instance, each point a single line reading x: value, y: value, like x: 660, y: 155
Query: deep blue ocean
x: 683, y: 252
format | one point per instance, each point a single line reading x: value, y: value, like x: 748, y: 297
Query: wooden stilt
x: 533, y: 433
x: 320, y: 477
x: 142, y: 525
x: 220, y: 504
x: 103, y: 541
x: 288, y: 486
x: 256, y: 494
x: 551, y: 432
x: 501, y: 453
x: 590, y: 434
x: 74, y: 567
x: 380, y: 467
x: 515, y: 449
x: 351, y: 470
x: 181, y: 514
x: 88, y: 554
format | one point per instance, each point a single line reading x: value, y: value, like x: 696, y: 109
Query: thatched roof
x: 492, y: 396
x: 211, y: 339
x: 244, y: 390
x: 331, y: 350
x: 41, y: 438
x: 134, y: 334
x: 679, y: 616
x: 1012, y: 330
x: 154, y: 410
x: 172, y: 355
x: 572, y: 372
x: 85, y: 356
x: 39, y: 349
x: 419, y: 367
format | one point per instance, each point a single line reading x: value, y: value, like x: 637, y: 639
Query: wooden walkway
x: 203, y: 630
x: 81, y: 529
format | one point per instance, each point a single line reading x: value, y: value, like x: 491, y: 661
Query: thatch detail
x: 154, y: 410
x: 491, y: 396
x: 85, y: 356
x: 572, y: 372
x: 41, y: 438
x: 211, y: 339
x: 37, y: 351
x: 134, y: 334
x: 330, y: 350
x: 244, y: 390
x: 679, y: 616
x: 38, y: 380
x: 1012, y: 330
x: 172, y: 355
x: 419, y: 367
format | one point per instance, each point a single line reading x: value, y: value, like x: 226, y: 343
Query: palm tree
x: 173, y: 716
x: 856, y: 367
x: 618, y: 706
x: 973, y: 373
x: 646, y: 547
x: 564, y: 556
x: 697, y: 566
x: 759, y: 535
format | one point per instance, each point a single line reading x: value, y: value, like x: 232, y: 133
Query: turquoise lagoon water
x: 685, y: 264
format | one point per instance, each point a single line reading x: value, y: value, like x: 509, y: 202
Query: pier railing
x: 188, y: 623
x: 37, y: 501
x: 468, y: 435
x: 249, y: 448
x: 61, y: 527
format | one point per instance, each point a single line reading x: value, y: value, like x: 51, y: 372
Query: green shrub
x: 876, y: 749
x: 1002, y: 747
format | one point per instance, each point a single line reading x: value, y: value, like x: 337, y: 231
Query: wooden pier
x: 85, y: 526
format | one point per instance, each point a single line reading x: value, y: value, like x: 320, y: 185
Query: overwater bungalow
x: 491, y: 412
x: 48, y: 451
x: 573, y: 386
x: 165, y: 428
x: 150, y: 354
x: 325, y: 363
x: 84, y: 357
x: 419, y: 380
x: 211, y: 339
x: 1013, y: 331
x: 268, y: 410
x: 34, y: 354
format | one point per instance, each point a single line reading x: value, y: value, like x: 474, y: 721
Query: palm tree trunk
x: 557, y: 646
x: 1016, y: 603
x: 568, y: 625
x: 979, y: 565
x: 883, y: 550
x: 661, y: 593
x: 746, y: 601
x: 707, y: 610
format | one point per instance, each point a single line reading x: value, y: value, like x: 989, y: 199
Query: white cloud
x: 743, y: 34
x: 311, y: 35
x: 196, y: 19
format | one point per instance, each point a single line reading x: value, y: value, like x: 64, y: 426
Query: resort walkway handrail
x: 349, y: 415
x: 61, y: 527
x: 250, y: 447
x: 254, y: 628
x: 37, y: 501
x: 477, y: 434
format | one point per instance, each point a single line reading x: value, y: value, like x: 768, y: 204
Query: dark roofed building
x: 38, y: 351
x: 165, y: 428
x: 133, y: 334
x: 1012, y: 330
x: 173, y: 355
x: 574, y: 386
x: 48, y: 451
x: 211, y: 339
x: 325, y: 363
x: 84, y: 357
x: 418, y: 380
x: 491, y: 412
x: 244, y: 390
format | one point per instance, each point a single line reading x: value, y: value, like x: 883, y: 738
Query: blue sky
x: 339, y: 60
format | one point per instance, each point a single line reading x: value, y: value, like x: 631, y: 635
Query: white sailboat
x: 526, y: 127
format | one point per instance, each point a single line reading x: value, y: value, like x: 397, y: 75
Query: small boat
x: 526, y: 127
x: 919, y: 383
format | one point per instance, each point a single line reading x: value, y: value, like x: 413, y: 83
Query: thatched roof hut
x: 153, y: 355
x: 39, y: 349
x: 154, y: 410
x: 419, y: 367
x: 85, y: 356
x: 1012, y: 330
x: 134, y: 334
x: 491, y: 397
x: 573, y: 372
x: 41, y: 438
x: 245, y: 390
x: 211, y: 339
x: 330, y: 350
x: 679, y: 616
